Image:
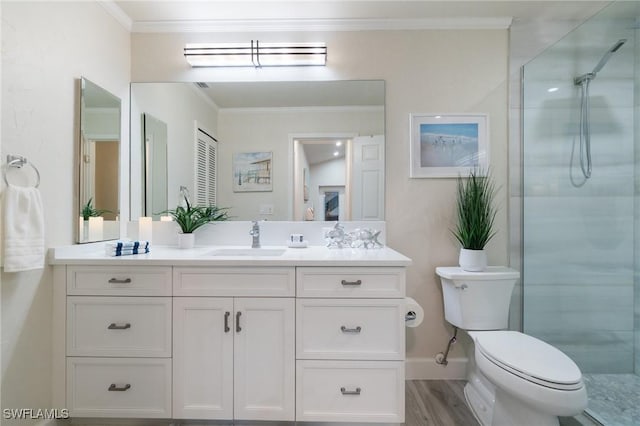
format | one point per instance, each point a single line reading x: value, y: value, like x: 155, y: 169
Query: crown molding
x: 320, y: 25
x: 119, y: 15
x: 314, y: 109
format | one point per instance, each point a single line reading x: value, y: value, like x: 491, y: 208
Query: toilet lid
x: 530, y: 358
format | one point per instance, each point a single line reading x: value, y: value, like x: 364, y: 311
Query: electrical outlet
x: 266, y: 209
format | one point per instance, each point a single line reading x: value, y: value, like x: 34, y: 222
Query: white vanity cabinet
x: 234, y: 357
x: 350, y: 340
x: 310, y: 336
x: 118, y: 341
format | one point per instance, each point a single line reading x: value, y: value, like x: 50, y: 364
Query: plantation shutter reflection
x: 205, y: 184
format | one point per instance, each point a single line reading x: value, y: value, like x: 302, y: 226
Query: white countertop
x: 94, y: 254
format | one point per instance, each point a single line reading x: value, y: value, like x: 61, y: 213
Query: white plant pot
x: 473, y: 260
x: 186, y: 241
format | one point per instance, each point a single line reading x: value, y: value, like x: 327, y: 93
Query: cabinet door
x: 264, y: 360
x: 202, y: 358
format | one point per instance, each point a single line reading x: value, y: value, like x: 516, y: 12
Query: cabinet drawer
x: 350, y: 329
x: 373, y: 282
x: 354, y: 391
x: 119, y: 281
x: 119, y: 387
x: 119, y: 326
x: 253, y: 282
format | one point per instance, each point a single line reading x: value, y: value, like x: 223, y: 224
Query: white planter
x: 473, y: 260
x: 186, y: 241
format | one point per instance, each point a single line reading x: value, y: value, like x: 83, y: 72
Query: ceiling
x: 334, y: 15
x: 320, y: 151
x: 236, y: 15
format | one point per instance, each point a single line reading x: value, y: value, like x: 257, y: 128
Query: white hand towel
x: 23, y: 229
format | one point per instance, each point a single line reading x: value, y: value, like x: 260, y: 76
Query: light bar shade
x: 255, y: 54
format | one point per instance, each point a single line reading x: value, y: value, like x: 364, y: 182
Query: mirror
x: 254, y: 146
x: 99, y: 154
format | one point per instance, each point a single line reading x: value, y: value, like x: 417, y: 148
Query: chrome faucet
x: 255, y: 233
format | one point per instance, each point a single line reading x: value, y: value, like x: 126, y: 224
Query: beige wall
x: 270, y: 129
x: 426, y: 72
x: 46, y: 47
x: 179, y: 106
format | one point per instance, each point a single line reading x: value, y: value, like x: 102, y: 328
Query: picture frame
x: 252, y: 171
x: 448, y: 145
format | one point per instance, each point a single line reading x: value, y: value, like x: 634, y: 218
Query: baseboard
x: 428, y: 369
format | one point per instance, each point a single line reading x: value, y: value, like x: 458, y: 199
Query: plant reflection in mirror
x: 89, y: 211
x: 190, y: 217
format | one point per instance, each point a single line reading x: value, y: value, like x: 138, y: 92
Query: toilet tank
x: 477, y: 300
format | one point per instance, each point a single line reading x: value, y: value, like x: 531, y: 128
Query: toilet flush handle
x: 462, y: 287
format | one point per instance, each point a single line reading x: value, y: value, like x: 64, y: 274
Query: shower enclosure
x: 581, y: 206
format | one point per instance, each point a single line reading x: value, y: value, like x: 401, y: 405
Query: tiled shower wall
x: 636, y: 238
x: 578, y: 237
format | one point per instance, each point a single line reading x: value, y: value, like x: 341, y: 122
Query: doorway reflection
x: 322, y: 178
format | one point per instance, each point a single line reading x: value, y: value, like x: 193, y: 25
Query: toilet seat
x: 530, y: 359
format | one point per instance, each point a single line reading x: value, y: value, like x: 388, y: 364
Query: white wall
x: 46, y: 48
x: 269, y: 129
x: 179, y: 106
x: 425, y: 72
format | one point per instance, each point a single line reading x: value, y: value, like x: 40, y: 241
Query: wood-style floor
x: 442, y: 403
x: 437, y: 403
x: 427, y: 403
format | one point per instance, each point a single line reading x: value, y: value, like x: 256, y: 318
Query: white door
x: 206, y: 168
x: 367, y: 182
x: 203, y: 358
x: 264, y: 359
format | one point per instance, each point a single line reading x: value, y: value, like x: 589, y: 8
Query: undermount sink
x: 247, y: 252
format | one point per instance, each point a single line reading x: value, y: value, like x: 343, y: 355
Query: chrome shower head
x: 607, y: 55
x: 618, y: 45
x: 585, y: 78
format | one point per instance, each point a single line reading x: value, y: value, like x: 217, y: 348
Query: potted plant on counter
x: 190, y: 218
x: 476, y: 215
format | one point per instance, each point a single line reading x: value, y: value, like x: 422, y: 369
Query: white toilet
x: 513, y: 379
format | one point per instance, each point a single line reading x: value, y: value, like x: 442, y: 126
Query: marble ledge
x: 94, y: 254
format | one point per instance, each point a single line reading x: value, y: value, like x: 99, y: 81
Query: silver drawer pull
x: 344, y: 329
x: 119, y: 281
x: 345, y: 282
x: 344, y: 391
x: 114, y: 326
x: 115, y: 388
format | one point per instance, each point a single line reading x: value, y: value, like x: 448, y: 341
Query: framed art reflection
x: 252, y: 171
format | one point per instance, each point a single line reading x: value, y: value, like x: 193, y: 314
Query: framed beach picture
x: 448, y: 145
x: 252, y: 171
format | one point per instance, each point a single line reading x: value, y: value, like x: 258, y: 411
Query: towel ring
x: 17, y: 161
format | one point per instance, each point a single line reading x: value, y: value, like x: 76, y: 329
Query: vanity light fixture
x: 255, y: 54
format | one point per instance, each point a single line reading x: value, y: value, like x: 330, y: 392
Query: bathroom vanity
x: 222, y: 333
